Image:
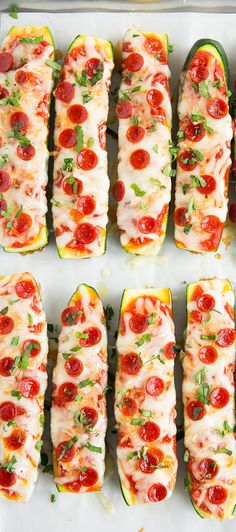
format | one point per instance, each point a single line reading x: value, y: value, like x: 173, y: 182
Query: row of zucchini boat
x: 146, y: 151
x: 144, y: 393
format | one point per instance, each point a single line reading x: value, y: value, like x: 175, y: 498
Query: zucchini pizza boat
x: 26, y: 83
x: 204, y: 158
x: 78, y: 414
x: 80, y: 192
x: 145, y: 396
x: 209, y: 398
x: 23, y: 382
x: 144, y: 111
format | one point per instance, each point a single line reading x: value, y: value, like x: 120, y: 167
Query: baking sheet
x: 110, y: 274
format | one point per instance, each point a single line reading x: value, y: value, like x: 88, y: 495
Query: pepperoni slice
x: 3, y: 92
x: 208, y: 468
x: 26, y: 152
x: 7, y: 478
x: 7, y: 411
x: 67, y: 391
x: 134, y: 62
x: 22, y: 223
x: 217, y: 494
x: 169, y: 350
x: 206, y: 302
x: 89, y: 477
x: 139, y: 159
x: 135, y: 134
x: 87, y: 159
x: 35, y: 350
x: 212, y: 243
x: 73, y: 367
x: 3, y: 207
x: 155, y: 98
x: 16, y: 440
x: 90, y: 416
x: 93, y: 66
x: 70, y: 316
x: 6, y: 324
x: 146, y: 225
x: 86, y: 233
x: 119, y: 190
x: 211, y: 224
x: 77, y: 114
x: 196, y: 410
x: 138, y: 323
x: 217, y: 108
x: 129, y: 407
x: 187, y: 160
x: 93, y: 337
x: 5, y: 181
x: 154, y: 386
x: 19, y: 120
x: 199, y: 73
x: 195, y: 132
x: 195, y: 317
x: 25, y: 289
x: 65, y: 452
x: 65, y: 91
x: 131, y: 363
x: 29, y: 388
x: 209, y: 187
x: 149, y: 431
x: 219, y: 397
x: 161, y: 78
x: 6, y: 365
x: 68, y: 138
x: 154, y: 46
x: 150, y: 461
x: 124, y: 109
x: 157, y: 492
x: 6, y: 61
x: 86, y: 205
x: 74, y: 188
x: 208, y: 354
x: 21, y: 77
x: 225, y: 337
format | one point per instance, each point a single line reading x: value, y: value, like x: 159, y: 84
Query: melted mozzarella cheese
x: 153, y: 181
x: 29, y: 324
x: 205, y: 438
x: 158, y: 409
x: 95, y: 182
x: 216, y: 161
x: 63, y: 426
x: 28, y: 177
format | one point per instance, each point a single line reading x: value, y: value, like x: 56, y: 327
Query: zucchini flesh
x: 78, y: 415
x: 204, y: 158
x: 208, y: 395
x: 145, y: 396
x: 80, y: 192
x: 144, y: 111
x: 24, y: 154
x: 23, y: 361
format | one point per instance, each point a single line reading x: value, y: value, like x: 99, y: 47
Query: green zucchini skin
x: 215, y: 45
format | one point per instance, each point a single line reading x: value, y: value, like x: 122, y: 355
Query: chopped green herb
x: 15, y: 340
x: 42, y: 419
x: 86, y: 382
x: 83, y: 80
x: 138, y: 192
x: 136, y: 89
x: 87, y: 96
x: 38, y: 445
x: 200, y: 376
x: 30, y: 319
x: 197, y: 181
x: 53, y: 64
x: 217, y: 83
x: 191, y: 208
x: 135, y: 120
x: 93, y: 448
x: 173, y: 150
x: 68, y: 164
x: 53, y: 498
x: 90, y: 142
x: 9, y: 466
x: 4, y: 311
x: 17, y: 394
x: 186, y: 456
x: 155, y: 148
x: 151, y: 318
x: 146, y: 337
x: 187, y: 228
x: 171, y: 47
x: 139, y: 421
x: 203, y: 393
x: 168, y: 171
x: 3, y: 160
x: 80, y: 138
x: 185, y: 188
x: 223, y: 450
x: 23, y: 140
x: 180, y: 135
x: 203, y: 87
x: 55, y: 202
x: 210, y: 337
x: 28, y: 40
